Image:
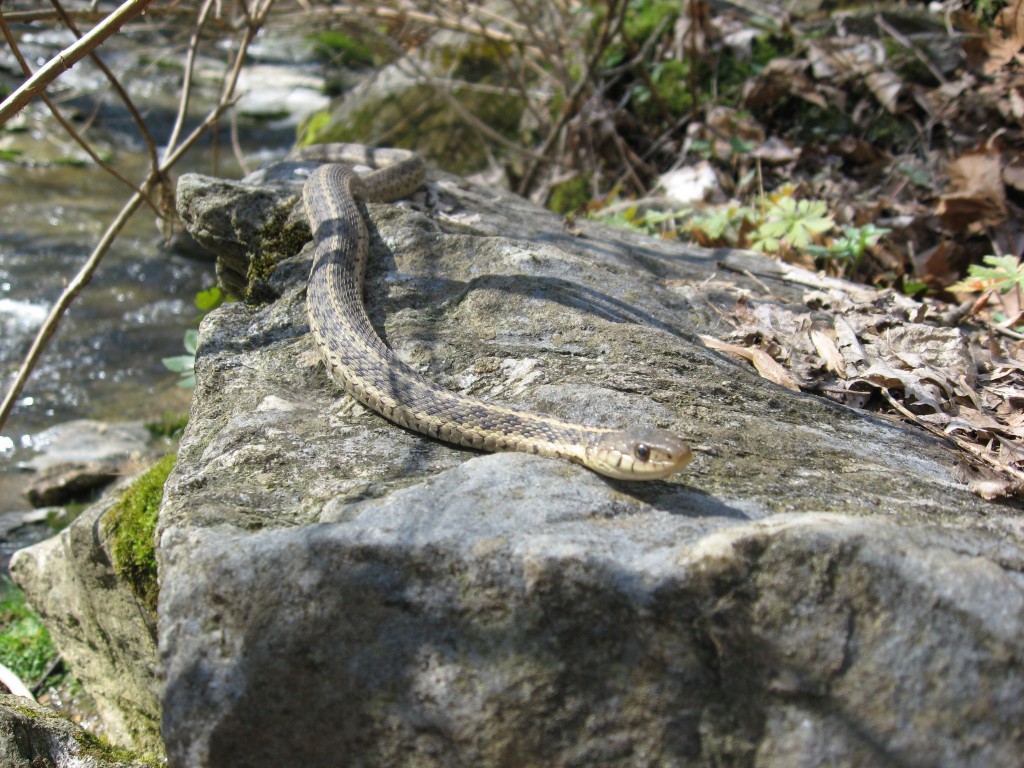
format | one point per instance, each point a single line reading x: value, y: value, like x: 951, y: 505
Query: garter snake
x: 373, y: 375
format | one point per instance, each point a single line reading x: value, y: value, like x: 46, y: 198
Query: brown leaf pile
x: 872, y: 349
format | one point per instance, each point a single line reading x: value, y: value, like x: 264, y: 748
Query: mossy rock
x: 32, y: 735
x: 131, y: 525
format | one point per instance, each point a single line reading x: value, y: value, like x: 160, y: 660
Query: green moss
x: 131, y: 525
x: 649, y: 16
x: 99, y: 748
x: 25, y: 645
x: 309, y: 130
x: 340, y: 48
x: 280, y: 238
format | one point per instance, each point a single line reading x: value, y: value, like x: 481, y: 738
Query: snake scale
x: 370, y: 371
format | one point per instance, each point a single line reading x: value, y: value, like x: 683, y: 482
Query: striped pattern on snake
x: 370, y: 372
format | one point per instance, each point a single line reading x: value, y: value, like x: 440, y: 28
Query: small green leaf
x: 209, y: 299
x: 191, y: 341
x: 913, y: 287
x: 180, y: 363
x: 1006, y: 272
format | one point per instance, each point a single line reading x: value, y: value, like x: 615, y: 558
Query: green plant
x: 185, y: 365
x: 1002, y: 280
x: 852, y: 246
x: 791, y: 224
x: 25, y: 644
x: 723, y: 226
x: 210, y: 299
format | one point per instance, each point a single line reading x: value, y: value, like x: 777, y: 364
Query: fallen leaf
x: 977, y: 198
x: 829, y: 352
x: 1006, y: 38
x: 771, y: 370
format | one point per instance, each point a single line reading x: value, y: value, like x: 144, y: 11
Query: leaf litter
x: 879, y: 159
x: 882, y: 351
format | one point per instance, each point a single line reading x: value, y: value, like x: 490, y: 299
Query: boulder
x: 76, y: 458
x: 817, y: 588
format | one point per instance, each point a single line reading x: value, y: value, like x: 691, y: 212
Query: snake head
x: 638, y: 454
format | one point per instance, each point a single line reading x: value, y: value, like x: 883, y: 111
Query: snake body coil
x: 371, y: 373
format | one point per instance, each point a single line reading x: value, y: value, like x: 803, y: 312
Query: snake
x: 369, y: 370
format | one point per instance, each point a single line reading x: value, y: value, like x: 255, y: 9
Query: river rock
x: 817, y: 588
x: 85, y: 440
x: 78, y: 457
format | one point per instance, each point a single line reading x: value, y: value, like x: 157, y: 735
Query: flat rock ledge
x: 817, y: 589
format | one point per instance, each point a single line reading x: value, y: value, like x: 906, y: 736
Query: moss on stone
x: 131, y: 525
x: 570, y: 196
x: 281, y: 237
x: 90, y: 745
x: 168, y: 425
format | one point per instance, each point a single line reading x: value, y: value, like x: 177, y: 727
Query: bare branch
x: 69, y: 57
x: 115, y: 84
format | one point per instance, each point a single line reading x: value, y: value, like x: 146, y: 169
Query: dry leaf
x: 712, y: 343
x: 829, y: 352
x: 978, y: 197
x: 763, y: 362
x: 771, y: 370
x: 1006, y: 37
x: 886, y: 87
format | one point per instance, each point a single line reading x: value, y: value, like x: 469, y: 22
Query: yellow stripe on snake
x: 373, y: 375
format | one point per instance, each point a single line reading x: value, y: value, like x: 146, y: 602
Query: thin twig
x: 115, y: 84
x: 59, y: 116
x: 186, y: 84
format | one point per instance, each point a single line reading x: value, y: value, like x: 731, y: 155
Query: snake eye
x: 642, y: 452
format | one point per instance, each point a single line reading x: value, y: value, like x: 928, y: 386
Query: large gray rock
x: 816, y: 589
x: 104, y: 632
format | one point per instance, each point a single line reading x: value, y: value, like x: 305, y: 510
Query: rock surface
x: 817, y: 588
x: 32, y: 736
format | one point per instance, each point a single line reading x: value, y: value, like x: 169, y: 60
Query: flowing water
x: 105, y: 360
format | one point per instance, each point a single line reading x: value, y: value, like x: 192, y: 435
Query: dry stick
x: 49, y: 327
x: 186, y: 83
x: 90, y: 17
x: 84, y: 275
x: 69, y: 57
x: 430, y: 19
x: 980, y: 454
x: 610, y: 26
